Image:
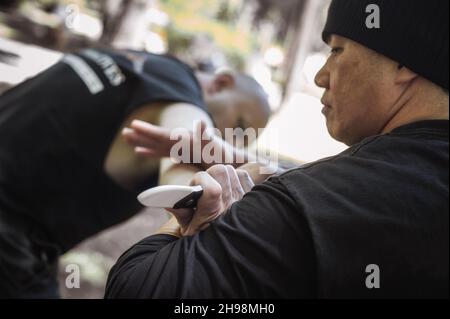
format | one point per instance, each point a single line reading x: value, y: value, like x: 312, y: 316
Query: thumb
x: 183, y: 216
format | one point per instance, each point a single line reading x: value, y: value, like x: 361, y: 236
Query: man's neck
x: 418, y: 104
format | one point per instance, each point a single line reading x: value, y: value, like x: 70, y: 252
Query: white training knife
x: 171, y: 196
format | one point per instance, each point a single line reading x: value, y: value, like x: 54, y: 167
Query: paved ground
x: 97, y: 255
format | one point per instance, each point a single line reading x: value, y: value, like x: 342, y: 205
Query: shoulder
x: 375, y: 160
x: 369, y: 171
x: 358, y: 151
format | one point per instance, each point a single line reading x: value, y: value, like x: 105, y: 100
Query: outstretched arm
x: 154, y: 141
x: 174, y: 116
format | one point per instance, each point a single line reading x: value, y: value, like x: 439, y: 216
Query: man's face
x: 360, y: 91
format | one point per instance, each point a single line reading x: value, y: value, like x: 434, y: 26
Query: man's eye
x: 241, y: 124
x: 335, y: 50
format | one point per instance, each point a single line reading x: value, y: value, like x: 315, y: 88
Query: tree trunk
x: 114, y: 12
x: 125, y: 22
x: 308, y: 32
x: 9, y: 4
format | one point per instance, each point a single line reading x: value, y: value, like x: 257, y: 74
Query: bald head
x: 255, y: 98
x: 235, y: 100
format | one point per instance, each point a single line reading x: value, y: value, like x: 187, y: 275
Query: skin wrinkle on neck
x: 388, y: 127
x: 419, y: 98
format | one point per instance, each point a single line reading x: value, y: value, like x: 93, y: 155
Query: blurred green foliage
x: 218, y: 19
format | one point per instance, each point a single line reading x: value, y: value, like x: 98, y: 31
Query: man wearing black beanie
x: 371, y: 222
x: 382, y: 74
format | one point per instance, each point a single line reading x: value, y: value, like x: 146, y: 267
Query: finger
x: 235, y: 184
x: 183, y: 216
x: 220, y: 174
x: 211, y: 204
x: 150, y: 130
x: 131, y: 134
x: 142, y: 151
x: 195, y: 228
x: 128, y: 131
x: 135, y: 138
x: 212, y: 190
x: 245, y: 180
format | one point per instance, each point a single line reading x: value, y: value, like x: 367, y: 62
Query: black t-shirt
x: 313, y: 231
x: 56, y: 130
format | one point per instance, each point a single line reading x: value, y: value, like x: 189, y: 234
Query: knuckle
x: 230, y: 168
x: 232, y: 172
x: 215, y: 191
x: 197, y: 179
x: 242, y: 174
x: 198, y: 175
x: 218, y: 170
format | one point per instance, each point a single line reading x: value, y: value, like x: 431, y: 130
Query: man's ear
x: 222, y: 81
x: 404, y: 75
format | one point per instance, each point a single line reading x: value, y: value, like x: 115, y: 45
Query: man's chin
x: 332, y: 133
x: 338, y: 136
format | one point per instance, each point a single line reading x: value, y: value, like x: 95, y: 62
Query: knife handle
x: 190, y: 201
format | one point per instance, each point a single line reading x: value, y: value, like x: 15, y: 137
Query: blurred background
x: 276, y: 41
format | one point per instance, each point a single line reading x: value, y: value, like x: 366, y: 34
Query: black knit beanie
x: 413, y: 33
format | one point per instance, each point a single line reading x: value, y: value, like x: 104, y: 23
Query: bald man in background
x: 66, y: 171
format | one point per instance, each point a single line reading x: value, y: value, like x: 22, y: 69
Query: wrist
x: 172, y: 228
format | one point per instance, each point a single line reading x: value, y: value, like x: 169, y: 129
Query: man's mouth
x: 326, y: 110
x: 326, y: 107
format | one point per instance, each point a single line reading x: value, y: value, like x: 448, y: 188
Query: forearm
x: 236, y: 157
x: 176, y: 174
x: 260, y: 172
x: 172, y: 228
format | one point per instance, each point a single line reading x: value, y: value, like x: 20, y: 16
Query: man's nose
x: 322, y: 78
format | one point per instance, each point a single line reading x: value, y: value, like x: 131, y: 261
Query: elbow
x: 118, y: 285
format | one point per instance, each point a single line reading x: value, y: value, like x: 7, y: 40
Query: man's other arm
x: 261, y: 248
